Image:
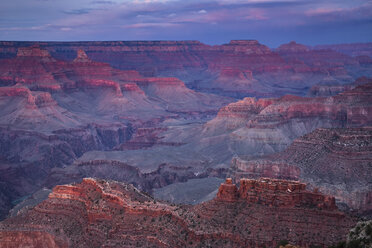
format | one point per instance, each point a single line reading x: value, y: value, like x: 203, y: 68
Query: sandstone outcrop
x: 97, y: 213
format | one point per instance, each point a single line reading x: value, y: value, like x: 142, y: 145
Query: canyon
x: 98, y: 213
x: 335, y: 161
x: 239, y: 68
x: 165, y: 115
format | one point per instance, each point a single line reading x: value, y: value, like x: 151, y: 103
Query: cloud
x: 211, y: 20
x: 151, y: 25
x: 66, y: 29
x: 78, y: 11
x: 103, y: 2
x: 256, y: 14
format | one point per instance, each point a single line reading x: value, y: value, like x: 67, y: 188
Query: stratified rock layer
x: 97, y: 213
x: 238, y: 68
x: 53, y: 111
x: 338, y: 161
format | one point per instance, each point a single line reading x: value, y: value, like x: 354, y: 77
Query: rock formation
x: 274, y: 192
x: 337, y: 161
x: 238, y: 68
x: 53, y: 111
x: 141, y: 106
x: 97, y: 213
x: 256, y: 127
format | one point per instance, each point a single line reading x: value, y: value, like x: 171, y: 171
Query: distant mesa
x: 32, y: 51
x: 244, y: 42
x: 292, y: 47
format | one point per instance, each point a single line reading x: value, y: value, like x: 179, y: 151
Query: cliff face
x: 256, y: 127
x: 238, y: 68
x: 98, y: 213
x: 53, y: 111
x: 147, y: 102
x: 337, y: 161
x: 357, y: 49
x: 275, y: 192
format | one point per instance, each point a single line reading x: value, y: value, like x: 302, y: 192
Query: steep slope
x: 247, y: 128
x: 337, y: 161
x: 356, y: 49
x: 98, y: 213
x: 239, y: 68
x: 53, y: 111
x: 254, y: 127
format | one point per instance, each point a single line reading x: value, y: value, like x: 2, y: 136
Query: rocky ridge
x: 53, y: 111
x: 97, y: 213
x: 337, y: 161
x: 238, y: 68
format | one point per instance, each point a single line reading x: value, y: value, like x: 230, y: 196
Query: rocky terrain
x: 97, y: 213
x: 245, y: 129
x: 337, y: 161
x: 332, y: 88
x: 53, y: 111
x: 239, y: 68
x: 155, y: 113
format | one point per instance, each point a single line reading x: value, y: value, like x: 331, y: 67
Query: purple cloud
x: 212, y: 21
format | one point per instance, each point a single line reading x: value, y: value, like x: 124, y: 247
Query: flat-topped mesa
x: 162, y: 42
x: 276, y: 193
x: 32, y: 51
x: 245, y: 47
x: 292, y: 47
x: 244, y: 42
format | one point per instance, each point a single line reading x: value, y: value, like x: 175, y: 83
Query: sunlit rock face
x: 96, y: 213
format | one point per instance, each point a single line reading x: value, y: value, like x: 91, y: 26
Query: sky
x: 272, y: 22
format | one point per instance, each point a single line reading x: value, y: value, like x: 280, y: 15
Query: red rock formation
x: 244, y: 169
x: 82, y: 57
x: 355, y: 49
x: 228, y: 191
x: 334, y: 160
x: 292, y: 47
x: 197, y: 64
x: 97, y: 213
x: 282, y: 193
x: 52, y: 111
x: 33, y: 51
x: 332, y: 88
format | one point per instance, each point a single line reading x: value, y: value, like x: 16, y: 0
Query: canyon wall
x: 96, y: 213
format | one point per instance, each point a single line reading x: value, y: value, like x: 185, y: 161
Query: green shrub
x: 354, y: 244
x: 341, y: 244
x: 369, y: 230
x: 283, y: 242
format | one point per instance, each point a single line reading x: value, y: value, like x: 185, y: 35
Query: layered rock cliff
x: 97, y: 213
x: 337, y: 161
x: 238, y: 68
x: 53, y: 111
x: 256, y: 127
